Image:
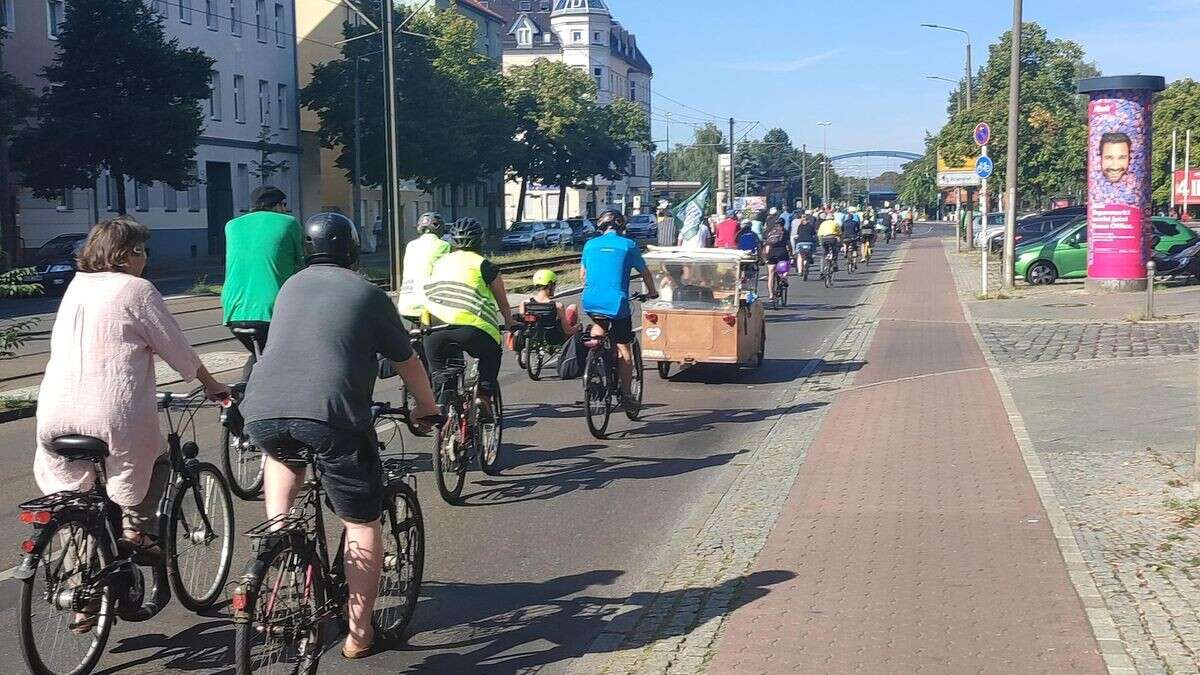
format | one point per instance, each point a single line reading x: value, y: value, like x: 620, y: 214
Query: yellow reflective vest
x: 457, y: 294
x: 419, y: 257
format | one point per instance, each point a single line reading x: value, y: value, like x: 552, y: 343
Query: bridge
x: 895, y: 154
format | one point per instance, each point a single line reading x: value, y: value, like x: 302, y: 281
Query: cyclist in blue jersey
x: 608, y: 261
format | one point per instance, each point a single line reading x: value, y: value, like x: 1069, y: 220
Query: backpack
x: 572, y: 357
x: 776, y: 236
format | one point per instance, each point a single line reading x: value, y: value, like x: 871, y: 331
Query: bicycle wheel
x: 199, y: 544
x: 243, y: 464
x: 489, y: 438
x: 535, y: 358
x: 403, y: 561
x: 279, y: 627
x: 664, y: 370
x: 69, y: 559
x: 597, y: 402
x: 449, y: 467
x: 637, y: 386
x: 783, y: 291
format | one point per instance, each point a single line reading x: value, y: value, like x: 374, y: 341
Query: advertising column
x: 1119, y: 153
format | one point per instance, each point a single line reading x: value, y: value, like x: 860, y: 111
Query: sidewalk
x: 915, y: 532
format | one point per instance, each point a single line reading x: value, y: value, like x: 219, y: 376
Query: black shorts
x: 620, y: 331
x: 348, y: 461
x: 777, y: 254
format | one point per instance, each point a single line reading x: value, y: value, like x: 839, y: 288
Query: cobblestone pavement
x: 677, y: 632
x: 1110, y: 412
x: 915, y: 531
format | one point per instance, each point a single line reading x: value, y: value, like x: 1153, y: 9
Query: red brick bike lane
x: 915, y: 533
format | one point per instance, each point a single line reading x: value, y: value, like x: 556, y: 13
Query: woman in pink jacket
x: 100, y: 380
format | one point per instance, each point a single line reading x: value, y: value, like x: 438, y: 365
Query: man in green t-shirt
x: 262, y: 250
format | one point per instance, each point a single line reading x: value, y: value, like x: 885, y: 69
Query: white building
x: 584, y: 35
x: 253, y: 89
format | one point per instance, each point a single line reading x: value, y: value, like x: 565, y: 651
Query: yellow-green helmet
x: 545, y: 278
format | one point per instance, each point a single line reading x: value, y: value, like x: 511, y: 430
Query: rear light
x: 36, y: 517
x: 239, y: 600
x: 28, y: 546
x: 652, y: 318
x: 729, y: 320
x: 226, y: 403
x: 529, y: 318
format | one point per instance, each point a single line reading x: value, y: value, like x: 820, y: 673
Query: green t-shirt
x: 262, y: 250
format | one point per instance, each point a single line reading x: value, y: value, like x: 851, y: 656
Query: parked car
x: 1028, y: 229
x: 583, y: 229
x: 526, y: 234
x: 642, y: 226
x: 559, y: 233
x: 1063, y: 255
x: 54, y: 263
x: 1183, y: 263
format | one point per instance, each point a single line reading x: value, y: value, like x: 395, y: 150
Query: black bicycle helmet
x: 611, y: 219
x: 330, y: 238
x: 431, y: 222
x: 467, y: 233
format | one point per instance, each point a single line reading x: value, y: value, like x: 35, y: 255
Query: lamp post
x: 957, y: 91
x: 825, y: 169
x: 1014, y: 107
x: 968, y: 36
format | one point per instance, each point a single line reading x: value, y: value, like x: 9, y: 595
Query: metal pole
x: 356, y: 187
x: 983, y: 222
x: 668, y: 146
x: 731, y: 167
x: 968, y: 81
x: 804, y: 175
x: 1150, y: 268
x: 1011, y: 178
x: 1187, y: 173
x: 825, y: 170
x: 1174, y: 140
x: 395, y: 206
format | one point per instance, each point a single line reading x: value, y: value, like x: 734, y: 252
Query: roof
x: 483, y: 9
x: 685, y: 255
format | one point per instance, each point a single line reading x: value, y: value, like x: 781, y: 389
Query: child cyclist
x: 562, y: 322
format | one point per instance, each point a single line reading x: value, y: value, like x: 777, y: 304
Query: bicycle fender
x: 28, y: 566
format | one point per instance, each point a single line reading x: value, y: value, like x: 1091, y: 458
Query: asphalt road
x: 525, y: 575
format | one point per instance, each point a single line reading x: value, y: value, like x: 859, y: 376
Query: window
x: 632, y: 91
x: 141, y: 196
x: 235, y: 17
x: 170, y: 198
x: 7, y: 15
x: 66, y: 201
x: 577, y: 36
x: 110, y: 192
x: 210, y: 14
x: 243, y: 186
x: 159, y: 7
x: 547, y: 37
x: 525, y: 5
x: 524, y: 36
x: 599, y: 73
x: 54, y: 18
x: 545, y: 5
x: 260, y: 20
x: 214, y: 95
x: 596, y: 37
x: 193, y: 191
x: 239, y: 99
x: 281, y: 95
x: 279, y: 28
x: 185, y: 11
x: 264, y: 103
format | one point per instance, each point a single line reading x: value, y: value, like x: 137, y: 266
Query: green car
x: 1062, y: 254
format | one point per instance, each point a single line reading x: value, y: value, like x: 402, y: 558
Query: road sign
x: 984, y: 167
x: 983, y: 133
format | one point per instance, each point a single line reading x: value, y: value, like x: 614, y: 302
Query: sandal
x: 144, y: 548
x: 87, y: 620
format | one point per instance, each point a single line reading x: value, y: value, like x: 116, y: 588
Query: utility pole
x: 967, y: 82
x: 395, y: 206
x: 825, y: 169
x: 804, y: 175
x: 731, y: 163
x: 356, y: 188
x: 668, y: 146
x: 1014, y: 107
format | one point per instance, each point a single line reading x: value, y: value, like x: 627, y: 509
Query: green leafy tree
x: 264, y: 167
x: 697, y: 161
x: 16, y: 105
x: 917, y: 183
x: 122, y: 97
x: 1176, y: 108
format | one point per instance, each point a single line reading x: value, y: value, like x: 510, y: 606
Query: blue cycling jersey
x: 608, y: 260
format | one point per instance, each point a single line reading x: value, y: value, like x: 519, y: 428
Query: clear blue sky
x: 862, y: 63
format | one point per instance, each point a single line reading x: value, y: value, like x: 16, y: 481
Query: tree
x: 454, y: 125
x: 1177, y: 107
x: 121, y: 97
x: 16, y: 105
x: 265, y: 167
x: 917, y: 184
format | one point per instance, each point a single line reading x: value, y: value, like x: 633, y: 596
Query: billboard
x: 960, y: 175
x: 1187, y: 190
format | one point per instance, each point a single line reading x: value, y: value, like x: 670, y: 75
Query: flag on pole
x: 690, y: 213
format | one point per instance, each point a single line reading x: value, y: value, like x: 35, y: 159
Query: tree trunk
x: 521, y: 200
x: 562, y: 199
x: 119, y: 179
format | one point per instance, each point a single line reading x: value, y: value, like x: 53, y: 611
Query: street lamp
x: 957, y: 91
x: 825, y: 171
x: 958, y: 30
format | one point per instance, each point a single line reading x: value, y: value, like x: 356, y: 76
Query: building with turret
x: 582, y: 34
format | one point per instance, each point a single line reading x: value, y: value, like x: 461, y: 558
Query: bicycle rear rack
x: 63, y: 500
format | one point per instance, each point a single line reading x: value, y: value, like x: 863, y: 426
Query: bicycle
x: 242, y: 462
x: 804, y: 257
x: 888, y: 233
x: 867, y: 249
x: 781, y: 284
x: 292, y: 587
x: 78, y: 569
x: 463, y: 436
x: 536, y: 348
x: 827, y: 266
x: 851, y: 249
x: 602, y: 381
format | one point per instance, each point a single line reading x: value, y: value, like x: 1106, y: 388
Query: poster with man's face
x: 1114, y: 156
x: 1118, y: 183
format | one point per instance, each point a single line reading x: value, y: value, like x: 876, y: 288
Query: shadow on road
x: 522, y: 627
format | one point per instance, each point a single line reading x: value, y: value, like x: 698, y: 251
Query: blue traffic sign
x: 983, y: 133
x: 984, y: 167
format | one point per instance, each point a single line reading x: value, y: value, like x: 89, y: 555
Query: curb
x: 18, y: 414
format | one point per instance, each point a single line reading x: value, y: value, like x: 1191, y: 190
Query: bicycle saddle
x: 79, y: 447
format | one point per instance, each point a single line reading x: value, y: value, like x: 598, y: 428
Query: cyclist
x: 262, y: 250
x: 466, y: 293
x: 867, y: 234
x: 776, y: 248
x: 419, y: 256
x: 607, y: 263
x: 313, y: 390
x: 804, y: 239
x: 850, y: 232
x: 566, y: 321
x: 830, y: 234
